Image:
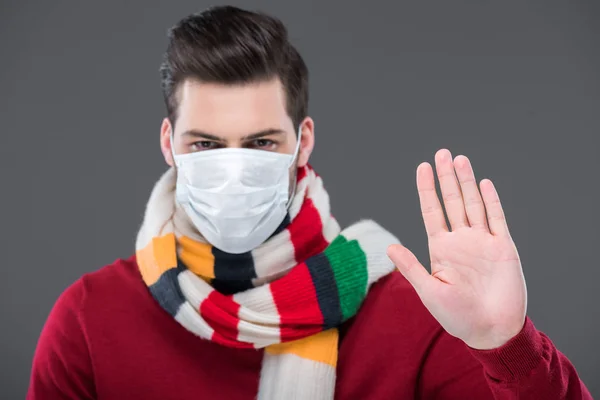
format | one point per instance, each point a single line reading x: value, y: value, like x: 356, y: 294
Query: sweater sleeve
x: 527, y: 367
x: 530, y: 366
x: 61, y: 367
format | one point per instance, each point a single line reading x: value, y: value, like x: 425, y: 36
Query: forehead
x: 230, y: 110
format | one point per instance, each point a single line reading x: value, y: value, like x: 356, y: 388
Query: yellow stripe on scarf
x: 321, y: 347
x: 197, y: 257
x: 157, y: 257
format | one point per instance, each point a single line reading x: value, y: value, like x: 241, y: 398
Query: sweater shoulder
x: 110, y: 277
x: 393, y: 305
x: 119, y: 271
x: 394, y: 296
x: 392, y: 328
x: 96, y: 291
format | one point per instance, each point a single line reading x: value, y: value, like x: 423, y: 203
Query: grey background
x: 514, y: 85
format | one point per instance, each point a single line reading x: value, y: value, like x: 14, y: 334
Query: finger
x: 453, y: 200
x: 495, y: 213
x: 431, y: 208
x: 473, y: 202
x: 411, y: 268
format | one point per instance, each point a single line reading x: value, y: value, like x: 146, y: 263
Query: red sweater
x: 107, y: 338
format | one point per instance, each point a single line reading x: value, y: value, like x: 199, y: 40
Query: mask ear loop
x: 293, y: 194
x: 172, y: 147
x: 297, y: 147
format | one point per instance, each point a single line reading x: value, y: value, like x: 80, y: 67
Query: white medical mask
x: 235, y: 197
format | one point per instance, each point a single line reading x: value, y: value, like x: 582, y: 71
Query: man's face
x: 214, y: 116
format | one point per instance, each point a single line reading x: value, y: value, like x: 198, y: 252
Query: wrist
x: 514, y: 359
x: 496, y: 337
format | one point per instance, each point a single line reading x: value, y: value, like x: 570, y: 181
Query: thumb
x: 410, y: 267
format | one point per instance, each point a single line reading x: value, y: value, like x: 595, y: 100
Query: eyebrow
x: 203, y: 135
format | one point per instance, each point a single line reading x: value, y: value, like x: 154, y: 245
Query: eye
x: 264, y: 144
x: 203, y: 145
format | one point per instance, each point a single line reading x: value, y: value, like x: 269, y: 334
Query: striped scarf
x: 288, y: 296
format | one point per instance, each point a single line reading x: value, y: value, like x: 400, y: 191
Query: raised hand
x: 476, y: 289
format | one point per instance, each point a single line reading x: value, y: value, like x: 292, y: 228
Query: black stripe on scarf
x: 233, y: 272
x: 166, y: 290
x: 326, y: 288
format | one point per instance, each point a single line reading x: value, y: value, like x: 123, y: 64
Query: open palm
x: 476, y: 289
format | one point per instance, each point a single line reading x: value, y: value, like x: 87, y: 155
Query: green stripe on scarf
x: 349, y: 264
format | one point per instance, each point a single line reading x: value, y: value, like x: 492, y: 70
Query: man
x: 244, y: 286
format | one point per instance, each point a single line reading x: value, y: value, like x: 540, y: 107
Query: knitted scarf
x: 288, y: 296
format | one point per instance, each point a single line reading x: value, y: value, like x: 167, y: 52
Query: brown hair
x: 233, y: 46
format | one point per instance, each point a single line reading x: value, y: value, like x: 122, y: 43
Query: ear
x: 165, y: 141
x: 307, y: 141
